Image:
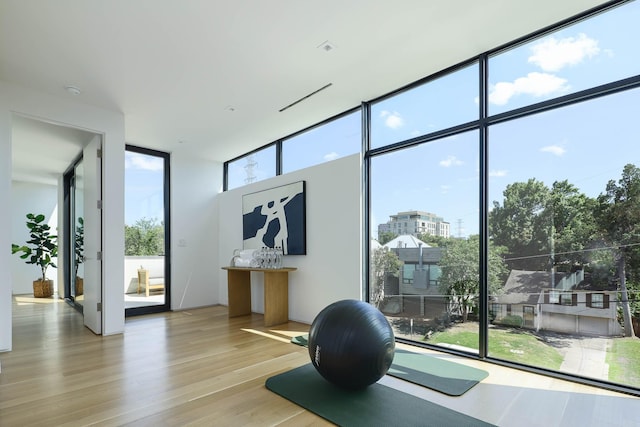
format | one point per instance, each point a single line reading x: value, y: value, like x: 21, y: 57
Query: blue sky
x: 143, y: 187
x: 587, y: 144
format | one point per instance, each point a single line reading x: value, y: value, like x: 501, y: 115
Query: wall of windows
x: 332, y: 139
x: 530, y: 154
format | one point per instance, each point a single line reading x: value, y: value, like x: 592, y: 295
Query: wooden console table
x: 276, y: 293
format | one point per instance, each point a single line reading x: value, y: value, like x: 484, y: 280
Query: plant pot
x: 42, y: 288
x: 79, y: 286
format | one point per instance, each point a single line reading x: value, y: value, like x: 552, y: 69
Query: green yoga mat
x: 446, y: 377
x: 302, y: 340
x: 376, y: 405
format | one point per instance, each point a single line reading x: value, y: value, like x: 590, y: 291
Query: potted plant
x: 40, y: 249
x: 79, y: 255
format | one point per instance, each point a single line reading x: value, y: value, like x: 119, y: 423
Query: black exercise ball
x: 351, y: 344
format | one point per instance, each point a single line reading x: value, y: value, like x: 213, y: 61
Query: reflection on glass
x: 566, y: 215
x: 581, y: 56
x: 425, y: 260
x: 438, y: 104
x: 77, y: 240
x: 144, y: 230
x: 253, y: 167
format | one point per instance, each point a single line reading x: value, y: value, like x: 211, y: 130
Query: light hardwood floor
x: 198, y: 367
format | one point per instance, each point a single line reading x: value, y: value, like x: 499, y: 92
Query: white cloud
x: 553, y: 149
x: 331, y: 156
x: 552, y: 54
x: 393, y: 120
x: 451, y: 161
x: 498, y: 173
x: 444, y: 189
x: 534, y: 84
x: 139, y: 161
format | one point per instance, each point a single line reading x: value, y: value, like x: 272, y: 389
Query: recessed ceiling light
x: 327, y: 46
x: 73, y: 90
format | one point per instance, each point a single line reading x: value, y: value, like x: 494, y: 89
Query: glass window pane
x: 447, y: 101
x: 329, y: 141
x: 587, y: 54
x: 597, y: 300
x: 407, y: 273
x: 425, y: 265
x: 144, y: 231
x: 253, y: 167
x: 565, y: 188
x: 144, y: 188
x: 77, y: 238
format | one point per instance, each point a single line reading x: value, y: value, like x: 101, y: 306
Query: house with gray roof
x: 558, y: 302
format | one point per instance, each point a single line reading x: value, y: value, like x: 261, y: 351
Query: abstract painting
x: 275, y: 217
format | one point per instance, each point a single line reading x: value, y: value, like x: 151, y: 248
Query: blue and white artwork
x: 275, y: 217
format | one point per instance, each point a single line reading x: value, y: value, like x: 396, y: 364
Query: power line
x: 573, y: 252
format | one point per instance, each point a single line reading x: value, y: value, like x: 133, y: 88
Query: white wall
x: 5, y: 226
x: 331, y: 270
x: 37, y: 199
x: 70, y: 112
x: 194, y: 231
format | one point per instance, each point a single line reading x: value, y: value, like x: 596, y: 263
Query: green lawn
x: 624, y: 361
x: 524, y: 347
x: 512, y: 345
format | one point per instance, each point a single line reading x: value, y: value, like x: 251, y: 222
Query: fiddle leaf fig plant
x: 41, y: 248
x: 79, y: 244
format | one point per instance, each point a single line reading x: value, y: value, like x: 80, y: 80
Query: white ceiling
x: 174, y: 67
x: 42, y: 151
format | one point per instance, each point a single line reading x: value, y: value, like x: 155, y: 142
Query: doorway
x: 528, y: 315
x: 147, y: 285
x: 41, y: 154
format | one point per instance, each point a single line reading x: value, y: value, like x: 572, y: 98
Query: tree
x: 435, y: 241
x: 386, y: 236
x: 572, y: 224
x: 633, y: 288
x: 519, y: 224
x: 145, y: 237
x: 543, y: 227
x: 618, y: 215
x: 384, y: 263
x: 460, y: 278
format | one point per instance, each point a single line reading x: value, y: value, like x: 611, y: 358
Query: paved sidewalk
x: 586, y: 356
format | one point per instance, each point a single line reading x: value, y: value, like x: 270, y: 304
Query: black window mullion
x: 279, y: 157
x: 366, y: 186
x: 483, y: 327
x: 225, y: 176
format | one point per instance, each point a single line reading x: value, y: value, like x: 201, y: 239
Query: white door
x: 92, y: 306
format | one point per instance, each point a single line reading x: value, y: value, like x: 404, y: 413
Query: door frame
x: 166, y: 157
x: 68, y: 218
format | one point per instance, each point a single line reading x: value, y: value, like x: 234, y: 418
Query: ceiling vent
x: 305, y: 97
